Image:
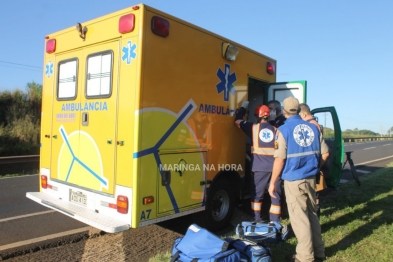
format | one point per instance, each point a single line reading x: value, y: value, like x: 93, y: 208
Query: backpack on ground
x: 271, y: 232
x: 250, y: 251
x: 198, y: 244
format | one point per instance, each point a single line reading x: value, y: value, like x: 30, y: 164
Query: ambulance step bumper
x: 82, y: 214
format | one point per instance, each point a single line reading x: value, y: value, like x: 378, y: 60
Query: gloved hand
x: 245, y: 104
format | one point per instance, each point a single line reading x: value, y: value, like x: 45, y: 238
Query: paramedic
x: 262, y: 135
x: 305, y: 114
x: 300, y: 151
x: 276, y: 118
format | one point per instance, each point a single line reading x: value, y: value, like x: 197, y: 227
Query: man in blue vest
x: 300, y: 151
x: 262, y: 148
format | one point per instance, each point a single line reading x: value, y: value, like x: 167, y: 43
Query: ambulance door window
x: 67, y: 80
x: 99, y: 75
x: 280, y: 91
x: 325, y: 120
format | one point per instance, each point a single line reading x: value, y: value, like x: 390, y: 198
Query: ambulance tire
x: 219, y: 206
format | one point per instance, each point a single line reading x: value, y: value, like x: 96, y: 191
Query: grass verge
x: 357, y: 222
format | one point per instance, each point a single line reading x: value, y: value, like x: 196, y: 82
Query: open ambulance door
x: 328, y: 119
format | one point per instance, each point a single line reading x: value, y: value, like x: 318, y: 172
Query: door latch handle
x: 165, y: 178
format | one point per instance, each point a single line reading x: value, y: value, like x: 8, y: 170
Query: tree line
x: 20, y: 120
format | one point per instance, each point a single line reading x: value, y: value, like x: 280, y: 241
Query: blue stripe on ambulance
x: 63, y: 134
x: 154, y: 150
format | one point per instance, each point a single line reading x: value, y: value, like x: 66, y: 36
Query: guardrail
x: 371, y: 138
x: 19, y: 159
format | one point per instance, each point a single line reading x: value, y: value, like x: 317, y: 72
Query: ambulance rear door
x: 84, y: 119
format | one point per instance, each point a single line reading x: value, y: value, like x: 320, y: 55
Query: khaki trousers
x: 300, y: 197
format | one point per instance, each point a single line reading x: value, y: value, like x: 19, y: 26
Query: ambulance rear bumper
x: 100, y: 221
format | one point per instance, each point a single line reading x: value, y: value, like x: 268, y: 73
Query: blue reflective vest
x: 263, y: 146
x: 303, y: 149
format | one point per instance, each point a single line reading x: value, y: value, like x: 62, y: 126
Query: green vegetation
x: 20, y: 121
x: 357, y: 222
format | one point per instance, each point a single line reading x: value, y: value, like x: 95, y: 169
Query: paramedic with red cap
x: 262, y: 135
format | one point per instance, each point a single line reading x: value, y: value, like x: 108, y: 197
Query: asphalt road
x: 24, y: 222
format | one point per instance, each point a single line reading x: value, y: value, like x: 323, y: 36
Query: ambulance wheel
x: 219, y: 206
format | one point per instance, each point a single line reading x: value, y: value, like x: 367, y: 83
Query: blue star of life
x: 226, y: 83
x: 128, y: 52
x: 49, y: 69
x: 266, y: 135
x: 304, y: 135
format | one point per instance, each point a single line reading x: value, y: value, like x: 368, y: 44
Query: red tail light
x: 122, y: 204
x: 270, y: 68
x: 160, y: 26
x: 126, y: 23
x: 51, y: 46
x: 44, y: 181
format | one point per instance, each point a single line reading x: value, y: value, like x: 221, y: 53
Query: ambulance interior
x: 257, y: 91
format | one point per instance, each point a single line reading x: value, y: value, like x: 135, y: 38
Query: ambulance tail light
x: 270, y: 68
x: 160, y: 26
x: 122, y: 204
x: 126, y: 23
x: 44, y: 181
x: 51, y: 46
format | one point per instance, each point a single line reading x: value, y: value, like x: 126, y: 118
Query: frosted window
x: 99, y: 75
x: 67, y: 80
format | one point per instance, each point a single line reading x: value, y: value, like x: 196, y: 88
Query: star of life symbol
x: 128, y: 52
x: 266, y: 135
x: 226, y: 83
x: 303, y: 135
x: 49, y: 69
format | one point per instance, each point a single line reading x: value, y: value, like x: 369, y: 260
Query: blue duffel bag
x: 198, y: 244
x: 271, y: 232
x: 250, y: 251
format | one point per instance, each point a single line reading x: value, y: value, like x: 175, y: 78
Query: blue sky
x: 344, y: 49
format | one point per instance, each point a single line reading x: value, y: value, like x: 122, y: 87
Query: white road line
x: 375, y: 160
x: 362, y: 171
x: 48, y: 237
x: 369, y: 148
x: 357, y: 170
x: 28, y: 215
x: 8, y: 177
x: 342, y: 181
x: 387, y: 145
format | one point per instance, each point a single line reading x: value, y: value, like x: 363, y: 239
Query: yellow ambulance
x: 138, y: 120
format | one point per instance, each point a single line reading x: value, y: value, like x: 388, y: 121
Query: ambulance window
x: 99, y: 75
x: 281, y: 94
x: 67, y: 82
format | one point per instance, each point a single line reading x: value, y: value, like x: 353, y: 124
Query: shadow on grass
x: 364, y: 208
x: 370, y: 215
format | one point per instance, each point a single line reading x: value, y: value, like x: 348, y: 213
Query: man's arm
x: 324, y: 151
x: 279, y: 161
x: 278, y: 166
x: 324, y: 157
